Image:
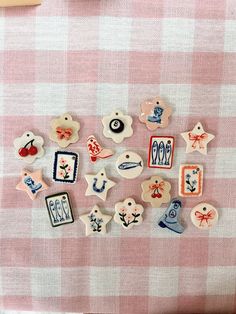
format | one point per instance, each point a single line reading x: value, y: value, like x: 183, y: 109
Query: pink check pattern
x: 88, y: 57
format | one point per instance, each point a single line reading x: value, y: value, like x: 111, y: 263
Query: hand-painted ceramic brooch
x: 28, y: 147
x: 117, y: 126
x: 65, y: 167
x: 204, y: 216
x: 170, y: 218
x: 128, y: 213
x: 190, y: 180
x: 156, y: 191
x: 161, y: 152
x: 64, y: 131
x: 155, y: 113
x: 129, y: 165
x: 31, y: 183
x: 95, y: 221
x: 96, y: 151
x: 59, y: 209
x: 197, y: 139
x: 98, y: 184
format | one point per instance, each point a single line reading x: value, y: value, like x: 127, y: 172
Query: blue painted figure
x: 101, y: 189
x: 170, y: 218
x: 168, y: 152
x: 30, y: 183
x: 154, y: 152
x: 156, y: 117
x: 161, y: 153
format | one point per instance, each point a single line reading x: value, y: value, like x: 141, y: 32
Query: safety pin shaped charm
x: 161, y: 152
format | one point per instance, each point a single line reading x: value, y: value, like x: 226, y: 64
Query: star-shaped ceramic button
x: 28, y: 147
x: 32, y: 183
x: 197, y: 139
x: 117, y: 126
x: 98, y: 184
x: 95, y: 221
x: 64, y: 131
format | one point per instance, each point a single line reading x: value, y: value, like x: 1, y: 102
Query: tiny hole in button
x: 157, y: 102
x: 101, y: 174
x: 28, y: 134
x: 66, y: 118
x: 156, y: 181
x: 117, y: 113
x: 129, y: 203
x: 95, y: 211
x: 127, y: 156
x: 204, y: 208
x: 199, y: 128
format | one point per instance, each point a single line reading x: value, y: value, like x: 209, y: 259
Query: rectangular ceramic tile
x: 161, y: 152
x: 190, y: 180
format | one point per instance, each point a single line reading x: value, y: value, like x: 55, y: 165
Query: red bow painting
x: 64, y: 133
x: 205, y: 217
x: 197, y: 139
x: 155, y: 188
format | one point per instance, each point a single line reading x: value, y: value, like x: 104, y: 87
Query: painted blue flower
x: 194, y: 182
x: 188, y: 176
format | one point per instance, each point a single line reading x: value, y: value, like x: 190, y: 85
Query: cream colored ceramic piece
x: 129, y: 165
x: 28, y: 147
x: 117, y: 126
x: 64, y: 131
x: 98, y: 184
x: 128, y: 213
x: 204, y: 216
x: 95, y: 221
x: 31, y: 183
x: 156, y: 191
x: 197, y: 139
x: 190, y: 180
x: 17, y: 3
x: 96, y: 151
x: 155, y: 113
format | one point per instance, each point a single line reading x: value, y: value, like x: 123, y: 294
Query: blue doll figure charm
x: 170, y: 217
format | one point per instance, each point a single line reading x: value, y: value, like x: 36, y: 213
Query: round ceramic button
x: 129, y: 165
x: 204, y: 216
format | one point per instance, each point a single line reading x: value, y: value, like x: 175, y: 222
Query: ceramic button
x: 129, y: 165
x: 98, y: 184
x: 170, y: 218
x: 156, y: 191
x: 190, y: 180
x: 96, y: 151
x: 28, y: 147
x: 59, y: 209
x: 197, y: 139
x: 95, y: 221
x: 204, y: 216
x: 31, y: 183
x: 128, y: 213
x: 155, y: 113
x: 161, y: 152
x: 65, y: 167
x: 117, y: 126
x: 64, y: 131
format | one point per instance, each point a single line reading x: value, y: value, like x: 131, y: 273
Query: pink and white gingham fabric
x: 88, y: 57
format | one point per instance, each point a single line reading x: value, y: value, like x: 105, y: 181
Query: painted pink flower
x: 122, y: 210
x: 62, y: 161
x: 61, y: 173
x: 69, y: 169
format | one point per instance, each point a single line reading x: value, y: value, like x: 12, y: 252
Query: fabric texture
x: 88, y: 58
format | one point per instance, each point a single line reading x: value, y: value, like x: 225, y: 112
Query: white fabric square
x: 1, y: 96
x: 2, y: 34
x: 177, y: 34
x: 227, y: 101
x: 16, y: 281
x: 104, y: 281
x: 46, y: 282
x: 111, y: 97
x: 226, y: 224
x: 230, y: 36
x: 163, y: 281
x: 51, y: 32
x: 225, y: 162
x: 114, y: 33
x: 50, y: 99
x: 221, y: 280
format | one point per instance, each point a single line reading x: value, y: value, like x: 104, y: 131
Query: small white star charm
x: 197, y: 139
x: 95, y: 221
x: 98, y: 184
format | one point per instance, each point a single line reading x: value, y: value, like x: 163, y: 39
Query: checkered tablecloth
x: 89, y: 57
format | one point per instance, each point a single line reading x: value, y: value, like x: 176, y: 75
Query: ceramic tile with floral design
x: 128, y: 213
x: 156, y: 191
x: 190, y: 180
x: 155, y: 113
x: 65, y: 167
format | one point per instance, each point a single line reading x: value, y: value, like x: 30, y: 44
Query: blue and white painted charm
x: 98, y: 184
x: 129, y: 165
x: 161, y: 152
x: 170, y: 218
x: 65, y: 167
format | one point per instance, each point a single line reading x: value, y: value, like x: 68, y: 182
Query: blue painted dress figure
x: 156, y: 116
x: 170, y: 218
x: 31, y: 184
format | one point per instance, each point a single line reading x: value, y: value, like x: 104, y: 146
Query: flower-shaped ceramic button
x: 129, y: 165
x: 156, y: 191
x: 155, y: 113
x: 28, y: 147
x: 117, y: 126
x: 95, y: 221
x: 204, y: 216
x: 64, y: 131
x: 197, y: 139
x: 128, y: 213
